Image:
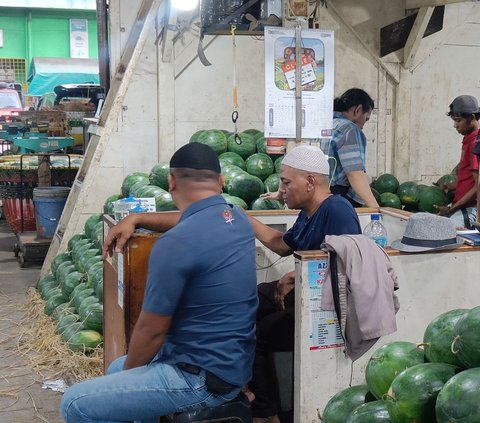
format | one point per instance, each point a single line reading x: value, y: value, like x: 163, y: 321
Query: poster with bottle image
x: 317, y: 64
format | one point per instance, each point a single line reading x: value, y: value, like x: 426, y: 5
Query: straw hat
x: 427, y: 232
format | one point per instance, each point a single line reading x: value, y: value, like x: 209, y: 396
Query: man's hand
x: 118, y: 235
x: 443, y: 210
x: 284, y: 286
x: 277, y: 195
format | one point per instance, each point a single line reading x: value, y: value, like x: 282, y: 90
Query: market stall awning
x: 47, y: 73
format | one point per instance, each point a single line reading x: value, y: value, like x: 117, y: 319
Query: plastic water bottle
x: 376, y: 231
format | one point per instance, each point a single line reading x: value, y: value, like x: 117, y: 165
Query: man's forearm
x: 147, y: 338
x: 465, y: 200
x: 271, y: 238
x: 359, y: 183
x: 159, y: 222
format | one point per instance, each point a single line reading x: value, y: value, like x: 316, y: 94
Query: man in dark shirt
x: 193, y: 344
x: 304, y: 186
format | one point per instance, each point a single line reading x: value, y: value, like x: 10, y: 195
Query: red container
x: 12, y: 208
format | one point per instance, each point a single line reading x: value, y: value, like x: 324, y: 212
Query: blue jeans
x: 140, y: 394
x: 457, y: 217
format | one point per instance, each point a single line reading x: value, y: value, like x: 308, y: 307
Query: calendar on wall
x: 317, y: 82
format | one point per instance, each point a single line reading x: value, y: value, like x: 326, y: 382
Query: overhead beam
x: 415, y: 4
x: 416, y: 34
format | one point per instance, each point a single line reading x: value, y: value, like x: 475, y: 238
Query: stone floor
x: 22, y: 398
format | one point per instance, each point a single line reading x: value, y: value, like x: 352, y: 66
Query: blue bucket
x: 49, y: 203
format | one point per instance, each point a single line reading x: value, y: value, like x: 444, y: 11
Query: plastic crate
x: 12, y: 209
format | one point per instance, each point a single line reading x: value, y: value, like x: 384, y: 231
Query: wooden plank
x: 86, y: 179
x: 416, y: 34
x: 416, y: 4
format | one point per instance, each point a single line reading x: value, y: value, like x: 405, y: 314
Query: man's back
x: 202, y: 273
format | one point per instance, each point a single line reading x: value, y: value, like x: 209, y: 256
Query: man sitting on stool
x: 193, y: 344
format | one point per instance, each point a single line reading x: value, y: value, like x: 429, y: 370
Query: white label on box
x: 120, y: 287
x: 325, y: 331
x: 147, y: 203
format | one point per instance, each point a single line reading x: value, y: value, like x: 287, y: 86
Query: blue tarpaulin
x: 47, y: 73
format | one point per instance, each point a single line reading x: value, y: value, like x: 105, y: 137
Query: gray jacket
x: 366, y: 282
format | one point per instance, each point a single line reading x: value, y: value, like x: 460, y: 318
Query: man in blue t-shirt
x: 193, y: 344
x: 304, y: 186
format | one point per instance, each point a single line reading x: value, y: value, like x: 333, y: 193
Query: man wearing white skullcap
x: 304, y: 186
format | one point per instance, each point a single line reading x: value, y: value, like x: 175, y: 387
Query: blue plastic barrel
x: 49, y: 203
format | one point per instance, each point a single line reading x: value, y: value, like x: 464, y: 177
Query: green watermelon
x: 70, y: 282
x: 53, y: 302
x: 79, y: 250
x: 85, y: 340
x: 230, y: 158
x: 458, y: 400
x: 63, y: 310
x: 245, y: 186
x: 137, y: 189
x: 229, y: 171
x: 159, y: 175
x: 387, y: 199
x: 99, y: 290
x: 47, y: 286
x: 371, y: 412
x: 261, y: 143
x: 86, y: 303
x: 214, y: 138
x: 94, y: 273
x: 438, y: 337
x: 92, y: 261
x: 108, y: 205
x: 46, y: 280
x: 71, y: 330
x: 93, y: 317
x: 131, y: 179
x: 253, y: 132
x: 245, y: 148
x: 277, y: 163
x: 64, y: 322
x: 59, y: 259
x: 51, y: 292
x: 90, y: 224
x: 386, y: 183
x: 164, y: 202
x: 79, y: 296
x: 430, y: 197
x: 466, y: 339
x: 236, y: 201
x: 387, y: 362
x: 264, y: 204
x: 408, y: 193
x: 74, y: 239
x: 260, y: 165
x: 446, y: 180
x: 413, y: 393
x: 344, y: 402
x: 195, y: 136
x: 80, y: 287
x: 272, y: 183
x: 87, y: 255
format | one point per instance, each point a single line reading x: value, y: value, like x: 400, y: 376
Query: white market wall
x: 408, y: 134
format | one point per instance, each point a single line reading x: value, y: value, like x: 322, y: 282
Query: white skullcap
x: 308, y: 158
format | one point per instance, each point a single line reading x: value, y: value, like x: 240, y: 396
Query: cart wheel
x: 16, y: 250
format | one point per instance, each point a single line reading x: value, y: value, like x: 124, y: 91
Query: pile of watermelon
x: 73, y: 291
x: 410, y: 196
x: 435, y: 381
x: 248, y: 170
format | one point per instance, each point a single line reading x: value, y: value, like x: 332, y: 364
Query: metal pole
x: 298, y: 83
x: 103, y: 56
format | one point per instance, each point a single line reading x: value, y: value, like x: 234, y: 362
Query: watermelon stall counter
x: 429, y: 285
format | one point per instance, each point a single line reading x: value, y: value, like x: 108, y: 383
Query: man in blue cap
x: 193, y: 344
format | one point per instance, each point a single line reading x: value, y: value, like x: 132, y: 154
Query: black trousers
x: 275, y: 333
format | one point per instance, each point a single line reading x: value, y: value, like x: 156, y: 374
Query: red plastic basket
x: 12, y: 208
